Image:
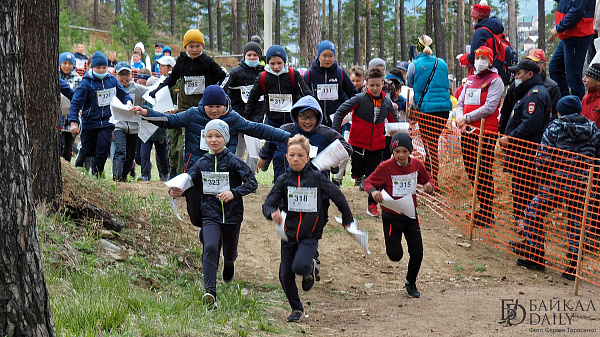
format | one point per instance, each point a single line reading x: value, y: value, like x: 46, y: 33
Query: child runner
x: 93, y: 97
x: 300, y: 191
x: 224, y: 179
x: 400, y: 176
x: 66, y: 72
x: 137, y: 61
x: 367, y: 138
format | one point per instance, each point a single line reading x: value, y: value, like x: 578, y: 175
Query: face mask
x: 99, y: 76
x: 481, y: 65
x: 518, y: 82
x: 251, y: 63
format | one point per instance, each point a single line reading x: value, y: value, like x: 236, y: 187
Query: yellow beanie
x: 193, y: 35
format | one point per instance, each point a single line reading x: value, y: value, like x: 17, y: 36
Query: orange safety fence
x: 527, y: 200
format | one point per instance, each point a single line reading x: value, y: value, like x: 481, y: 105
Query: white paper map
x: 362, y: 237
x: 182, y: 181
x: 280, y: 227
x: 404, y: 205
x: 331, y: 156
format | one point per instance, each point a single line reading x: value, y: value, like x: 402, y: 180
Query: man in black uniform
x: 529, y: 117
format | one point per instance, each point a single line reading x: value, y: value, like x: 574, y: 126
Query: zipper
x: 325, y: 102
x: 299, y: 221
x: 102, y: 114
x: 222, y: 204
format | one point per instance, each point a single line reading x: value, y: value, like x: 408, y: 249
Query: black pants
x: 485, y: 188
x: 296, y: 259
x: 431, y: 126
x: 393, y: 228
x: 217, y: 235
x: 364, y: 162
x: 67, y: 140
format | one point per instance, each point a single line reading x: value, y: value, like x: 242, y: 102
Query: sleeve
x: 460, y: 103
x: 123, y: 95
x: 171, y: 80
x: 338, y: 198
x: 494, y: 96
x: 65, y: 89
x: 533, y: 117
x: 376, y: 179
x: 195, y: 173
x: 221, y: 76
x: 573, y: 16
x: 342, y: 111
x: 507, y: 107
x: 479, y: 38
x: 274, y: 198
x: 423, y: 176
x: 253, y: 97
x: 249, y: 183
x: 261, y: 131
x: 393, y: 114
x: 169, y: 121
x: 77, y: 102
x: 410, y: 75
x: 347, y: 86
x: 304, y: 88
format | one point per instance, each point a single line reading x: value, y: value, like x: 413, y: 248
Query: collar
x: 283, y: 71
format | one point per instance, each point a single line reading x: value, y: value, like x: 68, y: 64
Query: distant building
x: 527, y: 33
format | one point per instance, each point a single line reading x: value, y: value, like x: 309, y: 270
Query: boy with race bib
x: 300, y: 192
x: 398, y: 177
x: 224, y: 179
x: 93, y: 97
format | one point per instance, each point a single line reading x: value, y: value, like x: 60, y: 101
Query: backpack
x: 504, y: 56
x: 263, y: 79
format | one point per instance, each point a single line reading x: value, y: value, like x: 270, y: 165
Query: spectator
x: 81, y: 59
x: 112, y: 60
x: 158, y: 53
x: 574, y: 26
x: 591, y: 101
x: 145, y: 58
x: 137, y: 61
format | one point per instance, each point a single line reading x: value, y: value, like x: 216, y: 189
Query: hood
x: 306, y: 102
x: 141, y: 45
x: 577, y: 126
x: 493, y: 23
x: 317, y: 65
x: 167, y: 48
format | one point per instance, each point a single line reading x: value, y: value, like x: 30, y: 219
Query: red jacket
x: 591, y: 106
x: 574, y: 18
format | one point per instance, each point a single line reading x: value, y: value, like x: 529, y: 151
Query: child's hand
x: 225, y: 196
x: 139, y: 110
x: 377, y: 196
x: 175, y: 192
x: 427, y: 188
x: 260, y: 163
x: 276, y: 216
x: 74, y: 128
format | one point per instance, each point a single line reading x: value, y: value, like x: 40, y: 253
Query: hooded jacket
x: 194, y: 120
x: 574, y: 18
x: 301, y: 225
x: 591, y: 106
x: 483, y: 37
x: 242, y: 76
x: 241, y: 182
x: 145, y: 57
x: 136, y: 92
x: 85, y: 99
x: 317, y: 75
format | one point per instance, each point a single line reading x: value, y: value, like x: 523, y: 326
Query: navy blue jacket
x: 241, y: 182
x: 65, y: 89
x: 85, y: 99
x: 194, y: 120
x: 243, y: 75
x: 482, y: 37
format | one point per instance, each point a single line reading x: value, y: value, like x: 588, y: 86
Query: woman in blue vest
x: 431, y: 98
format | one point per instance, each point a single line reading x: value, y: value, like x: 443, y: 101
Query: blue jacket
x: 333, y: 75
x: 437, y: 98
x: 194, y: 120
x: 482, y: 37
x: 574, y: 18
x: 65, y: 89
x: 85, y: 99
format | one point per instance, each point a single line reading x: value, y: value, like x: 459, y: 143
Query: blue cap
x: 568, y: 105
x: 325, y: 45
x: 276, y: 50
x: 66, y: 56
x: 99, y: 59
x: 122, y: 65
x: 402, y: 65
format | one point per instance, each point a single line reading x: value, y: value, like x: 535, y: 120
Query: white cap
x: 167, y: 61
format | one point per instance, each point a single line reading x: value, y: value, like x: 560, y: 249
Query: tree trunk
x: 396, y: 30
x: 143, y: 8
x: 445, y: 44
x: 172, y: 5
x: 438, y: 29
x: 236, y: 25
x: 117, y: 7
x: 239, y: 44
x: 429, y: 18
x: 381, y: 40
x: 150, y: 14
x: 72, y: 4
x: 313, y: 29
x: 512, y: 24
x: 278, y: 22
x: 460, y: 36
x: 24, y: 302
x: 368, y: 33
x: 541, y: 25
x: 357, y: 32
x: 219, y: 27
x: 331, y: 38
x: 211, y: 25
x: 403, y: 46
x: 42, y: 128
x: 302, y: 30
x: 324, y: 23
x: 252, y: 10
x: 469, y: 28
x: 96, y: 16
x: 339, y: 32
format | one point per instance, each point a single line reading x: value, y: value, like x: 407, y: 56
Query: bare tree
x: 96, y: 18
x: 219, y: 27
x: 277, y: 22
x: 143, y: 8
x: 236, y: 26
x: 381, y: 36
x: 445, y: 44
x: 403, y: 46
x: 313, y: 29
x: 324, y: 24
x: 339, y: 31
x: 72, y: 4
x: 172, y: 7
x: 438, y: 29
x: 541, y: 25
x: 469, y: 28
x: 512, y: 23
x: 368, y: 32
x: 24, y: 302
x: 211, y: 25
x: 330, y: 38
x: 429, y: 17
x: 460, y: 33
x: 150, y: 13
x: 252, y: 9
x: 357, y: 32
x: 117, y: 7
x: 396, y: 30
x: 239, y: 44
x: 302, y: 28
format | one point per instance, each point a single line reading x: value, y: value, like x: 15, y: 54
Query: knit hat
x: 254, y: 47
x: 66, y: 56
x: 325, y: 45
x: 481, y: 10
x: 99, y: 59
x: 377, y: 62
x: 569, y: 105
x: 401, y: 139
x: 593, y: 71
x: 276, y: 50
x: 220, y: 126
x: 256, y: 39
x: 537, y: 55
x: 485, y: 51
x: 214, y: 95
x: 193, y: 35
x: 123, y: 65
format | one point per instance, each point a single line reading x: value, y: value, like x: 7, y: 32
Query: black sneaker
x: 411, y: 289
x: 296, y: 316
x: 361, y: 186
x: 228, y: 271
x: 308, y: 281
x: 530, y: 264
x: 568, y: 276
x: 317, y: 269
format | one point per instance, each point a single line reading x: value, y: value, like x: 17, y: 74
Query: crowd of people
x: 301, y: 112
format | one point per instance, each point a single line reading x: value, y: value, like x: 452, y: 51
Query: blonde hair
x: 299, y: 139
x: 424, y: 44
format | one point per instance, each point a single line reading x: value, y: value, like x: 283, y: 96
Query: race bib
x: 280, y: 102
x: 246, y: 92
x: 302, y: 199
x: 214, y: 183
x: 194, y: 85
x: 105, y: 96
x: 473, y: 96
x: 313, y: 151
x: 404, y: 184
x: 80, y: 63
x: 203, y: 144
x: 327, y: 92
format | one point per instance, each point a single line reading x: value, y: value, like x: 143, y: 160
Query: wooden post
x: 476, y: 183
x: 582, y: 232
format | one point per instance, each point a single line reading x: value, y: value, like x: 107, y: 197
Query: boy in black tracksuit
x: 300, y: 191
x: 224, y: 179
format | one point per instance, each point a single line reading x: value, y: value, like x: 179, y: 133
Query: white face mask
x: 518, y: 82
x: 481, y: 65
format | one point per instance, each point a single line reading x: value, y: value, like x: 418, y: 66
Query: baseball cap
x: 537, y: 55
x: 167, y: 61
x: 123, y: 65
x: 526, y: 64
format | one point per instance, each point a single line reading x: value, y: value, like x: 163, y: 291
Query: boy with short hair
x: 400, y: 176
x: 143, y: 75
x: 112, y: 60
x: 81, y: 59
x: 137, y: 61
x: 223, y: 179
x: 367, y: 135
x: 299, y: 191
